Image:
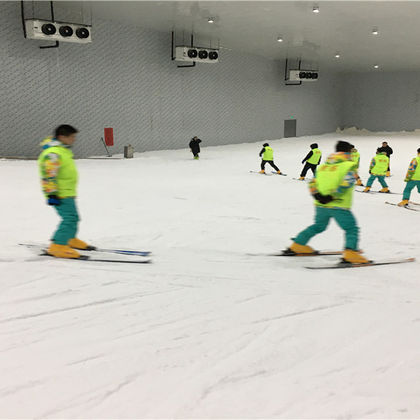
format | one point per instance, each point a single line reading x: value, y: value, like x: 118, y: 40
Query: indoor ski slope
x: 208, y: 330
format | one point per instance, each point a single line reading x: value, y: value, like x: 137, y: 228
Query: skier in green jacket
x: 267, y: 155
x: 311, y: 161
x: 355, y: 156
x: 412, y: 179
x: 378, y: 169
x: 59, y: 181
x: 332, y: 189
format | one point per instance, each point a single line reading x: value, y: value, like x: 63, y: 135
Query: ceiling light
x: 315, y: 9
x: 375, y: 31
x: 210, y: 20
x: 376, y: 66
x: 280, y: 39
x: 337, y: 55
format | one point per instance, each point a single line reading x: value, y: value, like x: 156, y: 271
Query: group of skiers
x: 332, y: 190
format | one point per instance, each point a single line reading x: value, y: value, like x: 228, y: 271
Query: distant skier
x: 388, y: 152
x: 195, y: 147
x: 267, y: 156
x: 312, y: 159
x: 412, y: 179
x: 377, y: 169
x: 332, y: 189
x: 59, y: 181
x: 355, y: 156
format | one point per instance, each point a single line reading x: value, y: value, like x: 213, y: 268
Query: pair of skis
x: 377, y: 192
x: 410, y: 206
x: 95, y: 254
x: 272, y: 172
x: 341, y: 264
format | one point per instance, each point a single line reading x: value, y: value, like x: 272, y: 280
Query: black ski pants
x: 270, y: 162
x: 306, y: 168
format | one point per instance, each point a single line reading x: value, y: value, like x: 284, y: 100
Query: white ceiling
x: 253, y: 27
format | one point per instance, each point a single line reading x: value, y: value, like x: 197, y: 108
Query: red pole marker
x: 109, y: 136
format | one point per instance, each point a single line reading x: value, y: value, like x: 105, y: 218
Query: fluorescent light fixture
x: 337, y: 55
x: 315, y: 8
x: 375, y: 31
x: 210, y: 20
x: 376, y: 66
x: 279, y: 39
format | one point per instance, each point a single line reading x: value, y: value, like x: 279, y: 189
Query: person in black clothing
x: 311, y: 161
x: 195, y: 146
x: 385, y: 148
x: 267, y: 156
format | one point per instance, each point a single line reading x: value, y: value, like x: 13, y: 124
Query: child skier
x: 412, y: 179
x: 267, y: 155
x: 355, y: 156
x: 377, y: 169
x: 332, y: 189
x: 59, y: 181
x: 312, y: 159
x: 195, y: 147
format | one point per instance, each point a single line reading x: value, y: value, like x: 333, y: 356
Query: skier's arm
x: 348, y: 182
x: 198, y: 141
x: 49, y: 168
x: 390, y: 151
x: 308, y: 156
x: 372, y: 164
x: 262, y: 151
x: 411, y: 169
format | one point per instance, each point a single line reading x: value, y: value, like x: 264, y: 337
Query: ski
x: 286, y: 253
x: 282, y: 174
x: 96, y: 249
x: 258, y: 172
x: 84, y: 257
x: 303, y: 180
x: 342, y: 264
x: 405, y: 207
x: 377, y: 192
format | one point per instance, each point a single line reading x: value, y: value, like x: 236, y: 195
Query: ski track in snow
x: 208, y: 330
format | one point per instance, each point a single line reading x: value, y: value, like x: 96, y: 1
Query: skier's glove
x: 323, y: 199
x: 407, y: 180
x: 53, y: 200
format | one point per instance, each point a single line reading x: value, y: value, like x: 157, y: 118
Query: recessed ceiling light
x: 337, y: 55
x: 376, y: 66
x: 280, y: 39
x: 210, y: 20
x: 375, y: 31
x: 315, y: 8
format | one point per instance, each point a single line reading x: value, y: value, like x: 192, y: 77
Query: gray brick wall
x: 126, y: 80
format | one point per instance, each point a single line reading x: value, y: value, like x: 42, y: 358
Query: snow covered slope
x: 208, y: 330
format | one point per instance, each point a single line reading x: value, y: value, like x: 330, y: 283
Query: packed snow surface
x: 208, y: 330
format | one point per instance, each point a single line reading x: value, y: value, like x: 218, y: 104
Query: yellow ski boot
x: 359, y: 182
x: 301, y: 249
x: 403, y: 203
x: 262, y: 171
x: 279, y: 172
x: 367, y: 189
x: 384, y: 190
x: 62, y: 251
x: 301, y: 178
x: 388, y: 173
x: 354, y: 257
x: 79, y: 244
